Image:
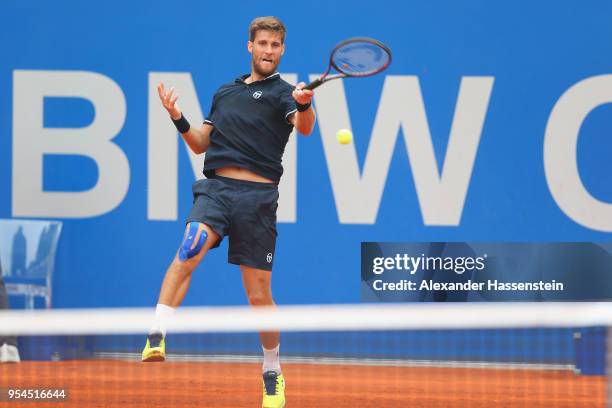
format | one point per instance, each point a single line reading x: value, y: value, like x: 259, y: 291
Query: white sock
x: 163, y: 314
x: 271, y: 360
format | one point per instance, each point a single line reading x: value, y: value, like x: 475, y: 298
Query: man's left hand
x: 302, y: 96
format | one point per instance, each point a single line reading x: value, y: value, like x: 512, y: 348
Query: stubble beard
x: 259, y: 70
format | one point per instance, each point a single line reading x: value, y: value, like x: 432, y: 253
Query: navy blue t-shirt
x: 251, y: 126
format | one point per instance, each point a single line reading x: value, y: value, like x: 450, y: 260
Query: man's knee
x: 260, y: 298
x: 193, y: 241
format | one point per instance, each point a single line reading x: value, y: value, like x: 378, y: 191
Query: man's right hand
x: 168, y: 99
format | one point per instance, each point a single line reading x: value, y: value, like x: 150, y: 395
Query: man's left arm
x: 304, y: 119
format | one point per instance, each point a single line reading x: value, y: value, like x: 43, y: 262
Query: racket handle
x: 314, y: 84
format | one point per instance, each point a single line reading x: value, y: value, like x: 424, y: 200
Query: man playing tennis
x: 244, y: 137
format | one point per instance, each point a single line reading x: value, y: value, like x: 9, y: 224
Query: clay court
x: 114, y: 383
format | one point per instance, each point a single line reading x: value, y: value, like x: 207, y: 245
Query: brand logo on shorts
x: 269, y: 257
x: 257, y: 94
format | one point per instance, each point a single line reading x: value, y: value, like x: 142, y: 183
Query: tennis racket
x: 355, y: 57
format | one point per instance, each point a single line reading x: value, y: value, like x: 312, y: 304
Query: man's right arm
x: 198, y: 140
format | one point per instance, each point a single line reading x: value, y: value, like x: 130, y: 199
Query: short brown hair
x: 267, y: 23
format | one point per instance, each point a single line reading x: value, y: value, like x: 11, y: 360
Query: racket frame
x: 341, y: 74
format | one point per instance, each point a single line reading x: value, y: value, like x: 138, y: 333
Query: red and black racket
x: 355, y: 57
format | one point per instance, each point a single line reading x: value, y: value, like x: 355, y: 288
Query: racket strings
x: 360, y: 58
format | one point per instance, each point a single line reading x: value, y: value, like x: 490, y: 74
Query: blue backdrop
x: 530, y: 53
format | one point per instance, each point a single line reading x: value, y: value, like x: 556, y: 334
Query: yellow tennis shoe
x: 155, y: 349
x: 273, y: 390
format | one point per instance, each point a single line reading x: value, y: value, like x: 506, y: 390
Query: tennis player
x: 244, y: 137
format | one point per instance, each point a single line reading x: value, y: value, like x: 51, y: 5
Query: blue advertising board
x: 491, y: 125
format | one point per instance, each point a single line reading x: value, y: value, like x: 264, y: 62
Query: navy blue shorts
x: 243, y: 210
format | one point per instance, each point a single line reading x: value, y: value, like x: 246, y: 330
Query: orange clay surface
x: 110, y: 383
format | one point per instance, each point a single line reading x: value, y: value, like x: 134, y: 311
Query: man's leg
x: 257, y: 284
x: 198, y: 239
x: 178, y: 276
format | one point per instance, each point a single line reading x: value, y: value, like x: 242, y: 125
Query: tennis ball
x: 344, y: 136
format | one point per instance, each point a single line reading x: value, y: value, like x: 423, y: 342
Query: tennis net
x: 418, y: 355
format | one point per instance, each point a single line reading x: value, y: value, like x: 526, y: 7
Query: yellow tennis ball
x: 344, y: 136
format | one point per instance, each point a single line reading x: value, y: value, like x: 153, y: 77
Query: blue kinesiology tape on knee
x: 192, y: 243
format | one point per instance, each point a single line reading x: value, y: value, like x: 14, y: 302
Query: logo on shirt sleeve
x: 257, y: 94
